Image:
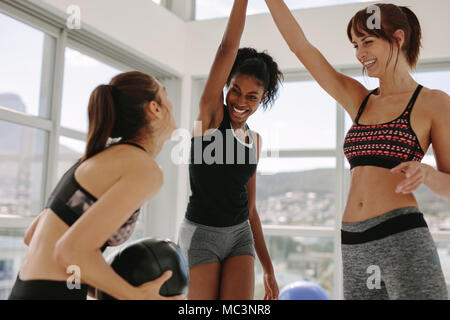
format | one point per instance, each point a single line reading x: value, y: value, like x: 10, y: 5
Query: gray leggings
x: 392, y: 256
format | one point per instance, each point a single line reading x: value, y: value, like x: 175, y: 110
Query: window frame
x: 88, y: 41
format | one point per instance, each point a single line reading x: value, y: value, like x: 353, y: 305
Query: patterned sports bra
x: 384, y: 145
x: 69, y: 200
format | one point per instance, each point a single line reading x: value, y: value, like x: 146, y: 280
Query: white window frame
x: 88, y: 41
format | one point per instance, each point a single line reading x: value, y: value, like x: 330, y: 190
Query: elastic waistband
x: 217, y: 229
x: 46, y: 289
x: 364, y: 225
x: 376, y: 228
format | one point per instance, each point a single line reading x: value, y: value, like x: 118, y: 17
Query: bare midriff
x: 372, y: 193
x: 40, y: 261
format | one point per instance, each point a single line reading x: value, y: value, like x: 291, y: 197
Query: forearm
x: 260, y: 244
x: 287, y: 25
x: 96, y: 272
x: 235, y: 26
x: 437, y: 181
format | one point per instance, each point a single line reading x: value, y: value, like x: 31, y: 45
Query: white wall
x: 325, y: 27
x: 189, y: 47
x: 140, y: 24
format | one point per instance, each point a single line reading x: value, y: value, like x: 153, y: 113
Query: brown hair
x: 393, y: 18
x: 117, y: 110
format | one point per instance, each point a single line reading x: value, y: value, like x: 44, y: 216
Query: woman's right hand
x: 150, y: 290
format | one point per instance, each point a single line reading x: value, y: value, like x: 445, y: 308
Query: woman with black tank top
x: 97, y: 201
x: 387, y: 248
x: 222, y: 229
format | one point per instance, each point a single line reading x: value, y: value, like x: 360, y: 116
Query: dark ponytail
x: 262, y: 66
x: 117, y: 110
x: 102, y: 116
x: 414, y: 43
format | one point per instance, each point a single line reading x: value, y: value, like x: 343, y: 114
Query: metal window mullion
x: 340, y: 200
x: 55, y: 113
x: 299, y: 153
x: 30, y: 14
x: 300, y: 231
x: 73, y: 134
x: 24, y: 119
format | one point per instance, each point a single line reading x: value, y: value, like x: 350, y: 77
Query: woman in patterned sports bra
x: 387, y: 249
x: 96, y: 203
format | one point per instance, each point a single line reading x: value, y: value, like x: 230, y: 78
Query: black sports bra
x: 69, y: 200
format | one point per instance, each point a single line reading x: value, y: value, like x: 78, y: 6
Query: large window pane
x: 21, y: 169
x: 210, y: 9
x: 82, y: 74
x: 70, y: 150
x: 299, y: 258
x: 303, y: 117
x: 296, y: 191
x: 21, y: 59
x: 12, y: 253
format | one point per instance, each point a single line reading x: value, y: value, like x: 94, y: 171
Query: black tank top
x: 220, y: 168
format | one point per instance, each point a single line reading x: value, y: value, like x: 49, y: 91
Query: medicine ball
x: 147, y: 259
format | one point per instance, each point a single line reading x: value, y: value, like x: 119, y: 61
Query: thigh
x: 412, y: 269
x: 237, y: 278
x: 363, y: 279
x: 204, y: 282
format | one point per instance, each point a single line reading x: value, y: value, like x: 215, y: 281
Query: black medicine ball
x: 147, y: 259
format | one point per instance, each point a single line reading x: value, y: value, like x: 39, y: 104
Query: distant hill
x: 319, y: 181
x: 307, y: 181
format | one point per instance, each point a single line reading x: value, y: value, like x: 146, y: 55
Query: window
x: 21, y: 65
x: 210, y: 9
x: 21, y: 169
x: 12, y: 253
x: 299, y: 258
x: 296, y: 191
x: 70, y: 150
x: 303, y: 117
x: 82, y: 74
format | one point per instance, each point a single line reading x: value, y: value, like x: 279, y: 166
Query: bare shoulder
x: 139, y: 165
x: 437, y: 101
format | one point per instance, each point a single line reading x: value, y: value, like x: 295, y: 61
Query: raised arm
x: 211, y: 102
x: 345, y: 90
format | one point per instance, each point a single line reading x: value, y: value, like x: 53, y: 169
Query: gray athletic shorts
x: 392, y: 256
x: 204, y: 244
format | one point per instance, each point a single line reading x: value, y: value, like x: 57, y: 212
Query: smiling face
x: 244, y: 96
x: 376, y: 55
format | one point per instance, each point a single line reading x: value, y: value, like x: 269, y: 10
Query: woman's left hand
x: 415, y: 173
x: 270, y: 287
